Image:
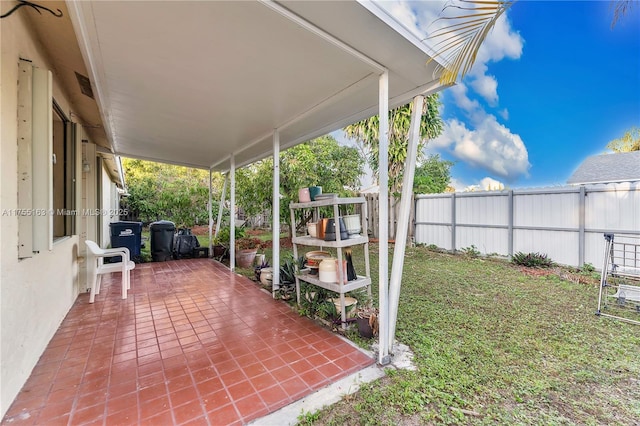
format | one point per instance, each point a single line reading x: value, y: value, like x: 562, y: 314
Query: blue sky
x: 552, y: 85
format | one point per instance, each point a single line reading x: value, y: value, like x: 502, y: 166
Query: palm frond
x: 457, y: 44
x: 620, y: 8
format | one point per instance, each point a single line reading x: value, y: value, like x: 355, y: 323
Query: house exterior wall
x: 35, y: 292
x: 567, y: 223
x: 109, y: 203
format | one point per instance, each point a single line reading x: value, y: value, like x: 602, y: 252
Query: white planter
x: 266, y: 276
x: 352, y: 223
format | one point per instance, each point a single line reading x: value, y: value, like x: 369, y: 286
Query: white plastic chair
x: 99, y: 267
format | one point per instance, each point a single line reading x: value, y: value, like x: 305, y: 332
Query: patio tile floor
x: 193, y: 343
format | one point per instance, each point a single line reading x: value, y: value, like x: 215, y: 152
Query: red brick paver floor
x: 193, y: 344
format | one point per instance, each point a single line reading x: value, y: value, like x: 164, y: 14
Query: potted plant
x: 288, y: 271
x: 367, y: 319
x: 262, y: 270
x: 246, y: 250
x: 222, y: 240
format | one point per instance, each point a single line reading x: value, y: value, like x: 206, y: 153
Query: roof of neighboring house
x: 608, y: 168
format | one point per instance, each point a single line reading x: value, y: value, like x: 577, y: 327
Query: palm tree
x: 457, y: 44
x: 366, y: 132
x: 629, y: 142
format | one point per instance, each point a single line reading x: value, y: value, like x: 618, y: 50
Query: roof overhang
x: 194, y: 83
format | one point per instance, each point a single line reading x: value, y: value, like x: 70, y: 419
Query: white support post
x: 276, y: 213
x: 210, y: 211
x: 383, y: 219
x: 403, y: 217
x: 232, y: 211
x: 221, y: 207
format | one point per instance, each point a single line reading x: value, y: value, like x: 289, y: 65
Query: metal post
x: 453, y: 222
x: 232, y: 211
x: 275, y: 283
x: 221, y: 207
x: 210, y: 209
x: 383, y: 219
x: 403, y: 217
x: 581, y: 221
x: 510, y: 224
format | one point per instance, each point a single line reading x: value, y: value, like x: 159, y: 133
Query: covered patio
x: 211, y: 85
x: 194, y: 343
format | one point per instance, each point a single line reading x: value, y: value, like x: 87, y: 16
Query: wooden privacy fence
x: 567, y: 223
x: 373, y: 215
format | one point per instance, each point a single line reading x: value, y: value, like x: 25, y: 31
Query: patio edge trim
x: 324, y: 397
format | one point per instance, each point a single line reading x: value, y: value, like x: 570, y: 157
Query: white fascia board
x: 398, y: 27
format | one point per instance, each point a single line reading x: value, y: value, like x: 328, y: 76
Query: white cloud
x: 489, y: 184
x: 421, y: 18
x: 485, y: 184
x: 502, y: 42
x: 486, y: 144
x: 491, y: 146
x: 459, y: 92
x: 487, y: 87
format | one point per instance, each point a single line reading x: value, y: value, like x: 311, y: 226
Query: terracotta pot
x: 315, y: 257
x: 245, y: 258
x: 322, y: 226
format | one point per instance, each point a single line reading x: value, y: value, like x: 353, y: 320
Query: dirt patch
x: 255, y: 232
x: 536, y: 272
x: 200, y: 230
x: 563, y: 273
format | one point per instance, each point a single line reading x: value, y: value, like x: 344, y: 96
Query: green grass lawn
x: 494, y: 345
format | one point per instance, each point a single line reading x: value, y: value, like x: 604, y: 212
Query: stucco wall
x: 109, y: 205
x: 35, y: 293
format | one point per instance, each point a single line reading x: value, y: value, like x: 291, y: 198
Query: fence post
x: 453, y: 222
x: 510, y: 229
x: 581, y: 225
x: 412, y: 218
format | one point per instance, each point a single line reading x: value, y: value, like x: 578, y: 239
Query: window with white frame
x: 47, y: 164
x: 63, y: 190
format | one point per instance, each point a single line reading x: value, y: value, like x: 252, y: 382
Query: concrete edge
x: 330, y: 394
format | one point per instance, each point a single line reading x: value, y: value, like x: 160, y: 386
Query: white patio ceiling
x: 193, y: 82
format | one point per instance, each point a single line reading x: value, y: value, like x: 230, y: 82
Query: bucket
x: 350, y: 305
